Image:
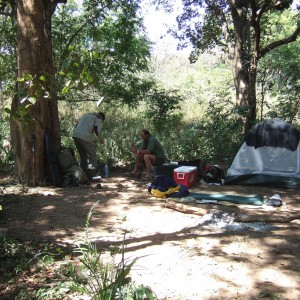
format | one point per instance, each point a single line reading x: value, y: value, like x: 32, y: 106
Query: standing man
x: 88, y: 125
x: 151, y: 152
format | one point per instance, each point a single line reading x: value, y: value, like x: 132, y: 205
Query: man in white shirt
x: 88, y: 125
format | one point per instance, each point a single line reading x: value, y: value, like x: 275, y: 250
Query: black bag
x: 74, y: 176
x: 213, y: 174
x: 52, y: 160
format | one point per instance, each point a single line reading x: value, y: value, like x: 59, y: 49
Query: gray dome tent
x: 269, y: 156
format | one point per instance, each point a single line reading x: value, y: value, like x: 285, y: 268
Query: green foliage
x: 210, y: 24
x: 101, y: 51
x: 56, y: 276
x: 279, y: 78
x: 160, y: 109
x: 6, y: 155
x: 277, y: 25
x: 245, y: 31
x: 106, y: 279
x: 31, y: 88
x: 206, y: 126
x: 7, y: 84
x: 15, y: 257
x: 197, y: 83
x: 223, y: 130
x: 106, y: 56
x: 7, y: 48
x: 13, y: 260
x: 215, y: 138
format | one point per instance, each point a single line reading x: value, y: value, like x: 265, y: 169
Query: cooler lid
x: 185, y: 169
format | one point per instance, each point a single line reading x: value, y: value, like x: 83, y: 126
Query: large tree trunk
x: 244, y: 63
x: 30, y: 119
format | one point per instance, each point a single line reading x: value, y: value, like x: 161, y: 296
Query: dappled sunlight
x: 45, y: 191
x: 49, y: 207
x: 202, y: 275
x: 277, y: 277
x: 179, y: 256
x: 240, y: 247
x: 208, y: 245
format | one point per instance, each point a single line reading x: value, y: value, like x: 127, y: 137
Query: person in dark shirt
x: 149, y: 151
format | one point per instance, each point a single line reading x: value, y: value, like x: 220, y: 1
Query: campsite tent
x: 269, y: 156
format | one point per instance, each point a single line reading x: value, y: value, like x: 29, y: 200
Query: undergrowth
x: 48, y: 271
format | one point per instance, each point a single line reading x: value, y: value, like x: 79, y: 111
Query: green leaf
x: 149, y: 294
x: 89, y: 78
x: 96, y: 54
x: 139, y: 293
x: 32, y: 100
x: 24, y: 99
x: 65, y: 90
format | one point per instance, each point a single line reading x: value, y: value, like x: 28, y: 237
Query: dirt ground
x: 181, y: 256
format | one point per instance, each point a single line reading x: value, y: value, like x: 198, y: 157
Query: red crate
x: 185, y: 175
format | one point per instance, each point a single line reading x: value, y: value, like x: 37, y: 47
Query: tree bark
x: 34, y: 108
x: 244, y: 63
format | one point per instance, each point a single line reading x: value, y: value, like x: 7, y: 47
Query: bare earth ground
x: 179, y: 257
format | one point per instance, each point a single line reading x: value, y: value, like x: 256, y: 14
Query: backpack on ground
x: 72, y: 174
x: 213, y: 174
x: 66, y: 159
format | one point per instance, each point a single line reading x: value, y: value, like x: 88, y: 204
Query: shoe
x: 147, y: 178
x: 96, y: 178
x: 134, y: 174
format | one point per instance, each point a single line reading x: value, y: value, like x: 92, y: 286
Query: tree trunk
x: 34, y: 108
x: 252, y: 103
x: 244, y: 64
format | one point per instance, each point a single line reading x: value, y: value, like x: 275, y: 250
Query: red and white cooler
x: 185, y: 175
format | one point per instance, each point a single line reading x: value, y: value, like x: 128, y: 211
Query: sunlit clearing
x: 277, y: 278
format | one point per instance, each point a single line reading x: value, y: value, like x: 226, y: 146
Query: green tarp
x: 251, y: 199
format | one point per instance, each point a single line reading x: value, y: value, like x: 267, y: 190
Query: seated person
x: 150, y: 151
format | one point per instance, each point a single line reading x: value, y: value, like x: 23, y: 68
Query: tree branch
x: 74, y: 35
x: 225, y: 30
x: 279, y: 43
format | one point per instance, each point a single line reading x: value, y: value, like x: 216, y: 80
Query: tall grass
x: 212, y: 135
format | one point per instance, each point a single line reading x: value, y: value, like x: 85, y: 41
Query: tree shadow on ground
x: 125, y: 208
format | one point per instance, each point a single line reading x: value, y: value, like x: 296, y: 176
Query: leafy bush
x: 6, y: 156
x: 214, y: 137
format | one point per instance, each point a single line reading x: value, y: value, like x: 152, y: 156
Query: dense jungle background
x: 190, y: 107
